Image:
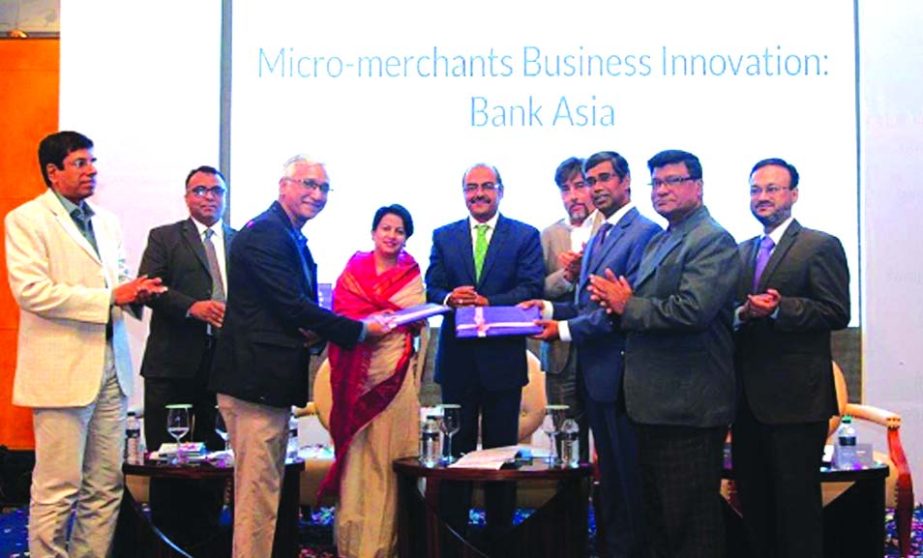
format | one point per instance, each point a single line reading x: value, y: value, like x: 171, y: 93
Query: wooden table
x: 558, y: 528
x: 854, y: 522
x: 133, y: 531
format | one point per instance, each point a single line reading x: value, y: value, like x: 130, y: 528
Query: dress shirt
x: 563, y: 328
x: 218, y: 241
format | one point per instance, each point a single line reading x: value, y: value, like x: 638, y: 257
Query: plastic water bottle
x: 844, y: 454
x: 133, y: 453
x: 570, y: 444
x: 291, y: 451
x: 429, y: 442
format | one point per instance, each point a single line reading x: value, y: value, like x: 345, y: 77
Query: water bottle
x: 429, y: 442
x: 570, y: 444
x: 133, y: 452
x: 844, y: 454
x: 291, y: 451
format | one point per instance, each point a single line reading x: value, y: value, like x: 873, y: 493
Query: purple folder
x: 415, y: 313
x: 496, y: 321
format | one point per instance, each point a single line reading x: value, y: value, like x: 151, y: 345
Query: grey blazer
x: 679, y: 350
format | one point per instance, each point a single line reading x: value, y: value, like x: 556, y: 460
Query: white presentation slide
x: 398, y: 99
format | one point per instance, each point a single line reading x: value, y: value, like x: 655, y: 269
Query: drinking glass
x: 451, y: 422
x: 221, y: 429
x: 178, y: 426
x: 551, y: 425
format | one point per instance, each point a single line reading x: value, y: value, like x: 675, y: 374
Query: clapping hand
x: 611, y: 292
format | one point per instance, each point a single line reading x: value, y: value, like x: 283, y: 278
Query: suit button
x: 622, y: 353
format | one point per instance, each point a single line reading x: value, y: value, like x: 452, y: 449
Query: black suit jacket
x: 176, y: 342
x: 272, y: 293
x: 784, y: 363
x: 512, y: 272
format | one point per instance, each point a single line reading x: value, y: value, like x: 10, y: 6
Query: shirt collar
x: 617, y: 216
x: 491, y: 223
x: 777, y: 233
x: 216, y: 228
x: 81, y: 211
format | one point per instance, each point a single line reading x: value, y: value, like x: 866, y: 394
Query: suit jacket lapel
x: 461, y: 234
x: 785, y: 244
x: 659, y: 248
x: 494, y: 248
x: 190, y: 234
x: 750, y: 250
x: 67, y: 223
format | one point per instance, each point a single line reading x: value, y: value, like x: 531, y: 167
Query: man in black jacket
x: 271, y: 326
x: 189, y: 256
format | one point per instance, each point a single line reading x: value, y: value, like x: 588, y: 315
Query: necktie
x: 762, y: 258
x: 480, y: 249
x: 215, y: 271
x: 600, y: 238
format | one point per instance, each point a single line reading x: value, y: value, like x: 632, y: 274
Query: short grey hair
x: 301, y: 159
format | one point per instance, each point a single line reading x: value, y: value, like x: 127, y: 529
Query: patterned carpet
x: 316, y: 534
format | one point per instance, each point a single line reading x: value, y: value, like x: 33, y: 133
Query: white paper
x: 492, y: 458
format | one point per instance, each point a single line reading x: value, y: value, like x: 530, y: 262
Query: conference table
x: 137, y: 536
x: 557, y: 528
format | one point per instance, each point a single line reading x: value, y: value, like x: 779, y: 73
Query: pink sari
x: 359, y: 292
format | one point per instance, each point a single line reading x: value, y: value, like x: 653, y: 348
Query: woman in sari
x: 375, y: 414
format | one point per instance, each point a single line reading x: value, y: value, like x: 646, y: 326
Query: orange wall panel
x: 29, y: 72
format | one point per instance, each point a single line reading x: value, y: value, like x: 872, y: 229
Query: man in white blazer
x: 67, y: 273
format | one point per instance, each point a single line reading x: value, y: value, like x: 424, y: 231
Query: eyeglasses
x: 603, y: 177
x: 772, y: 190
x: 487, y: 187
x: 310, y: 184
x: 670, y: 181
x: 202, y: 191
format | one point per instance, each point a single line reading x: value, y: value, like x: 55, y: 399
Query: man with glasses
x: 562, y: 246
x: 67, y: 272
x: 190, y: 256
x: 679, y: 371
x: 484, y: 260
x: 618, y: 247
x: 793, y: 292
x: 272, y: 324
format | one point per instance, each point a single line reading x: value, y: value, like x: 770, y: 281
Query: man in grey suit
x: 793, y: 292
x: 562, y: 246
x: 679, y: 371
x: 617, y: 247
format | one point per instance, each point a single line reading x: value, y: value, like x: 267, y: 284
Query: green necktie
x: 480, y: 250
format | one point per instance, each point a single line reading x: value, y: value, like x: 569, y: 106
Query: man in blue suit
x: 483, y: 260
x: 617, y: 246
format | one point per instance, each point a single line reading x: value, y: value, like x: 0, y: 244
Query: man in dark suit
x: 190, y: 257
x: 486, y: 259
x: 562, y: 247
x: 618, y: 247
x: 679, y: 370
x: 272, y: 324
x: 793, y: 292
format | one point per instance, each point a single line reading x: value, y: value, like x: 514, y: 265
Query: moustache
x: 480, y: 199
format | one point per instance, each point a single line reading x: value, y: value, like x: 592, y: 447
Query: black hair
x: 568, y: 168
x: 792, y: 171
x: 207, y: 170
x: 673, y: 156
x: 619, y: 164
x: 394, y: 209
x: 54, y: 148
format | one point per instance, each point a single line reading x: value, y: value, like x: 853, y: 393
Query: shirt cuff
x: 547, y: 310
x: 564, y: 331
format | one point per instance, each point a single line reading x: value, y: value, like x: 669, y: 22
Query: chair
x: 899, y: 484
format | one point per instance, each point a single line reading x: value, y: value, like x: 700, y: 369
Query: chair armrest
x: 874, y: 414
